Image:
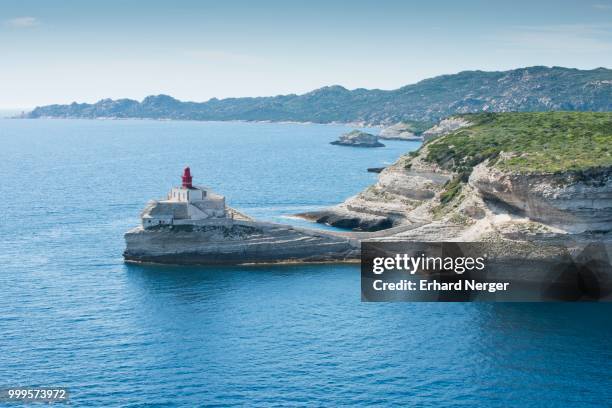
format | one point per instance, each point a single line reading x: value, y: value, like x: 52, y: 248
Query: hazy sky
x: 64, y: 51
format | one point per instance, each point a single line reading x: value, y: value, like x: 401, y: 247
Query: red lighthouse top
x: 187, y: 178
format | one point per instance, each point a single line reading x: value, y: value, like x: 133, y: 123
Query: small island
x: 357, y: 138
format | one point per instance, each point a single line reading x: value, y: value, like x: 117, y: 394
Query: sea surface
x: 73, y: 314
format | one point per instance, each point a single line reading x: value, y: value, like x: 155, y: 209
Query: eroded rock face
x: 573, y: 202
x: 341, y: 217
x: 401, y: 188
x: 233, y: 242
x: 493, y: 202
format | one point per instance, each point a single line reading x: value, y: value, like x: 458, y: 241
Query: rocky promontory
x: 534, y: 188
x: 493, y: 176
x: 510, y: 178
x: 234, y: 241
x: 357, y: 138
x: 193, y: 225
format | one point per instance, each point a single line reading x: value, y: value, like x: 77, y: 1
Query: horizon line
x: 30, y: 108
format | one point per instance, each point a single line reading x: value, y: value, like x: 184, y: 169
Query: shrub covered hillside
x: 524, y: 89
x: 530, y: 142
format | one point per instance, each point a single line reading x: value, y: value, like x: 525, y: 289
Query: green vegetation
x: 524, y: 89
x: 545, y: 142
x: 451, y: 189
x: 549, y: 142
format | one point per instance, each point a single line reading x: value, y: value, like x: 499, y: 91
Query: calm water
x: 72, y: 314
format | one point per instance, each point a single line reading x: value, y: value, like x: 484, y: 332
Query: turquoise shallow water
x: 72, y: 314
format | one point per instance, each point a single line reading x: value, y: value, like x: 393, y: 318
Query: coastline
x: 409, y: 204
x: 354, y: 261
x: 235, y: 242
x: 282, y: 122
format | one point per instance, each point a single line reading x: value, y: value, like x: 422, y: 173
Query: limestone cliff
x: 236, y: 242
x: 401, y: 189
x: 569, y: 201
x: 493, y: 176
x: 512, y: 177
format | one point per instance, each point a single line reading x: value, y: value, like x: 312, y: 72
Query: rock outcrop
x: 400, y: 131
x: 445, y: 126
x: 440, y: 196
x: 574, y: 202
x: 464, y: 185
x: 236, y: 242
x: 392, y: 201
x: 357, y: 138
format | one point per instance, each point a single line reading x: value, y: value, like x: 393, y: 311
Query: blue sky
x: 63, y: 51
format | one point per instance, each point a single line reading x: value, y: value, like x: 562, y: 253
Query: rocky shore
x: 488, y: 194
x: 400, y: 131
x: 237, y: 242
x: 478, y: 178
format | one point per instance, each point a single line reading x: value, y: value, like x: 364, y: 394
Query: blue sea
x: 72, y: 314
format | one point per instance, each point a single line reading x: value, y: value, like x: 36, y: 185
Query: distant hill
x: 525, y: 89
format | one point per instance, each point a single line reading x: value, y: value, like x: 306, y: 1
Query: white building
x: 185, y: 205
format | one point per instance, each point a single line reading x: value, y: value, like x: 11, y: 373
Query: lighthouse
x: 187, y: 193
x: 187, y: 179
x: 186, y: 205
